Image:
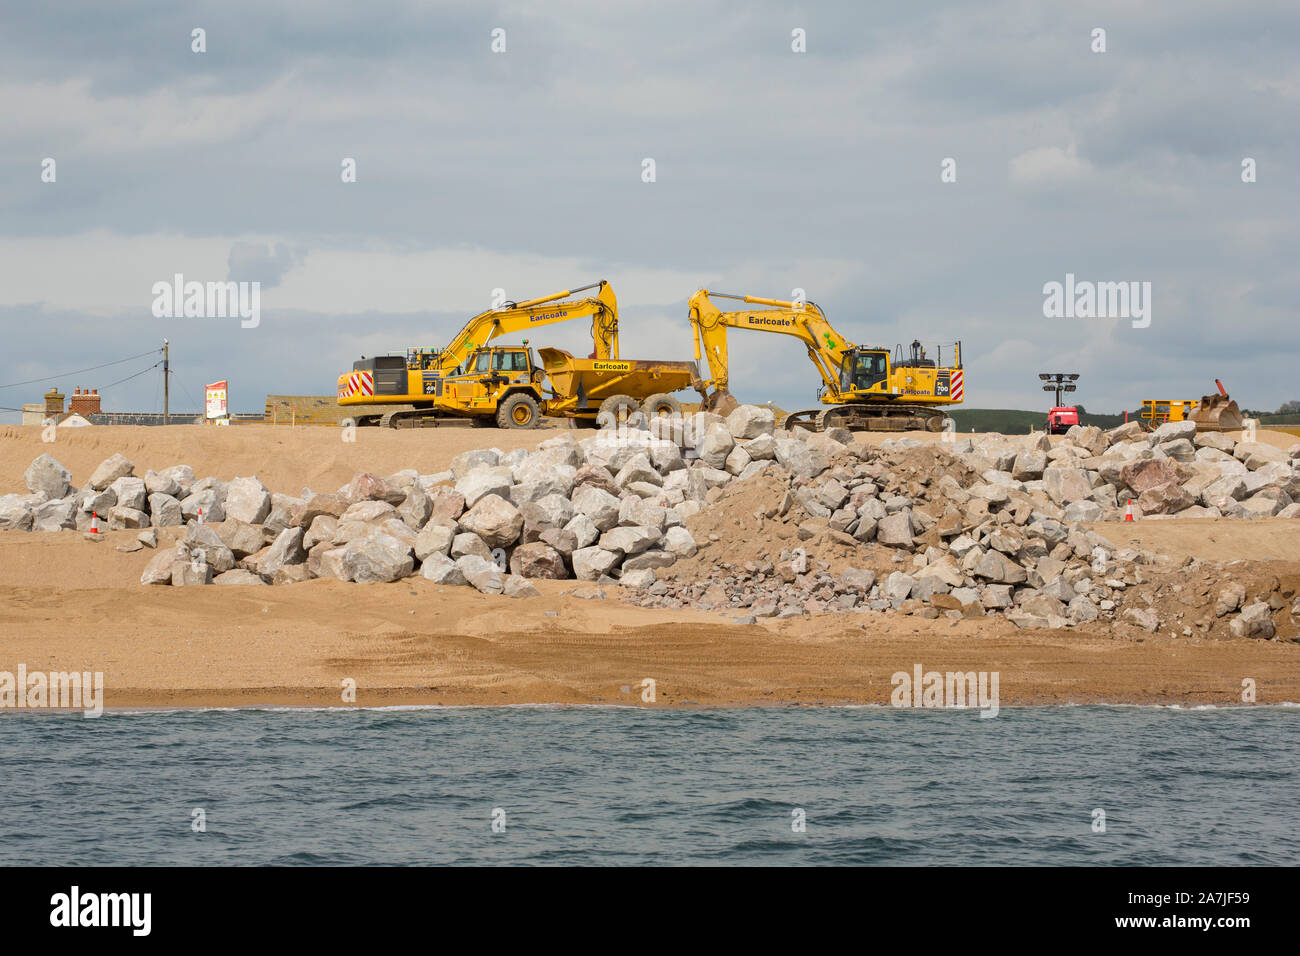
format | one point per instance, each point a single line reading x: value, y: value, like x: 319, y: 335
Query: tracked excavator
x: 862, y: 387
x: 470, y: 379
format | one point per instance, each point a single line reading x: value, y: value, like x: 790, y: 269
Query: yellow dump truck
x: 603, y: 391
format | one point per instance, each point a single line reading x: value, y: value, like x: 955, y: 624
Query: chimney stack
x: 85, y: 402
x: 53, y: 403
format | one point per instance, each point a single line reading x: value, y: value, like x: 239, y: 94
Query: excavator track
x: 875, y: 418
x: 421, y: 418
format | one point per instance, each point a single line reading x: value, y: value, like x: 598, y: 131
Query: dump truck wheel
x: 518, y: 411
x: 616, y: 410
x: 662, y: 405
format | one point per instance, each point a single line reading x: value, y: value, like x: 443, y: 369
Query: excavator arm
x: 803, y: 320
x: 516, y: 316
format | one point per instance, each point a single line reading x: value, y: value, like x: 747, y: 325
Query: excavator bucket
x: 1217, y: 413
x: 720, y: 402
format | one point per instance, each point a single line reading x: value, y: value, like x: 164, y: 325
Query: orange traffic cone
x: 1128, y: 512
x: 94, y: 522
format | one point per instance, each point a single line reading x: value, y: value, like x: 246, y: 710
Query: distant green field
x: 1015, y: 421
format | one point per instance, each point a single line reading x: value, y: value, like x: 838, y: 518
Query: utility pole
x: 167, y: 383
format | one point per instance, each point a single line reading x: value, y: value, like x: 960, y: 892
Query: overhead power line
x: 80, y: 371
x: 129, y: 377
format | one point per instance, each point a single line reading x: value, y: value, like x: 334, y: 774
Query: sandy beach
x: 70, y: 604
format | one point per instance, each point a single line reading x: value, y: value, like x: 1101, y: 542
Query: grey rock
x: 751, y: 421
x: 679, y: 542
x: 517, y: 587
x: 482, y: 575
x: 159, y: 568
x: 483, y: 481
x: 589, y: 564
x: 247, y: 500
x: 1255, y: 620
x: 285, y: 550
x: 799, y: 459
x: 469, y: 543
x: 649, y: 560
x: 440, y: 569
x: 161, y: 483
x: 109, y: 470
x: 47, y: 478
x: 600, y: 507
x: 191, y: 573
x: 638, y: 468
x: 1083, y: 511
x: 323, y: 528
x: 130, y: 492
x: 165, y: 511
x: 203, y: 539
x: 208, y: 501
x: 433, y: 539
x: 561, y: 539
x: 466, y: 462
x: 238, y: 577
x: 1171, y: 431
x: 896, y: 530
x: 629, y: 540
x: 537, y: 560
x: 495, y: 520
x: 378, y: 557
x: 240, y: 537
x: 120, y: 518
x: 55, y: 515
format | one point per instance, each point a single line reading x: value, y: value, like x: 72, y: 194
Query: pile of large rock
x: 993, y: 527
x: 963, y: 529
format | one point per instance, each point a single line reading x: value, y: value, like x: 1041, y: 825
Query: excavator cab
x: 863, y: 369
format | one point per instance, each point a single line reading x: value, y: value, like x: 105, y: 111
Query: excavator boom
x: 516, y: 316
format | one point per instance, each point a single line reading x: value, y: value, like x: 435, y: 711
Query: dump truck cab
x: 489, y: 379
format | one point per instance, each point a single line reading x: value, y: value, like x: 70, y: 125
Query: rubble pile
x: 725, y: 514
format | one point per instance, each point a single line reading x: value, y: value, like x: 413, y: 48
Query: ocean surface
x: 625, y: 786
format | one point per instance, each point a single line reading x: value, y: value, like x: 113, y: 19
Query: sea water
x: 612, y: 785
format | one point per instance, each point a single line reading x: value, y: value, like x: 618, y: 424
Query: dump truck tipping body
x: 581, y: 385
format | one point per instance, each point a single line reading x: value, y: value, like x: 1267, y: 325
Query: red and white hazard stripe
x: 955, y: 388
x: 359, y: 383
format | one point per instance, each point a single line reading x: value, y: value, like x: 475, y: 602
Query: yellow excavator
x: 863, y: 388
x: 470, y: 379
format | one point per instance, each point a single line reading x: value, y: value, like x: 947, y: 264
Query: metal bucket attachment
x: 1217, y: 413
x: 720, y: 402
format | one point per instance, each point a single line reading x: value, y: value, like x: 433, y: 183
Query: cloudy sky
x: 775, y: 170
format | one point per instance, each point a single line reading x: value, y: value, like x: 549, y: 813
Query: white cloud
x: 1049, y: 164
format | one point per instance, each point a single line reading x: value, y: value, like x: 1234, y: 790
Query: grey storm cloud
x: 258, y: 262
x: 775, y: 170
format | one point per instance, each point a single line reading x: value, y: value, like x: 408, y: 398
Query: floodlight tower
x: 1059, y: 382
